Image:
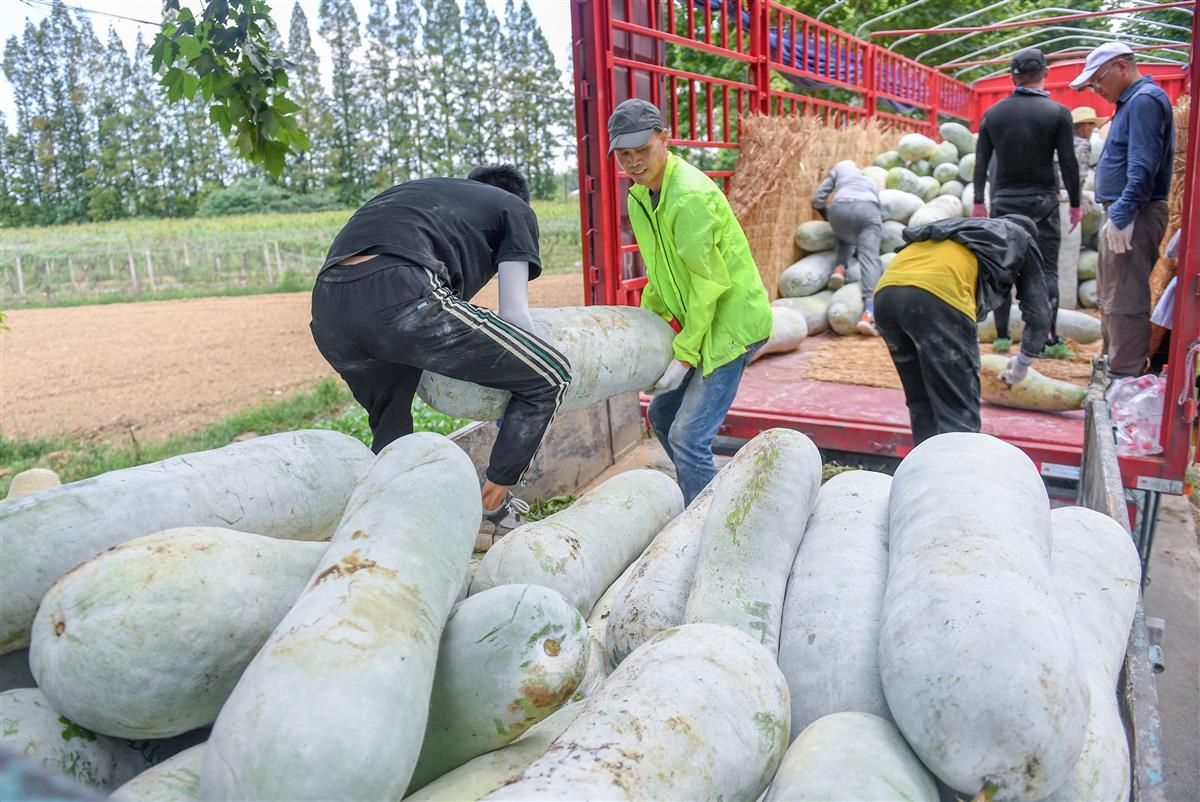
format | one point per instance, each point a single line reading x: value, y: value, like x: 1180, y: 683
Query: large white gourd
x: 351, y: 665
x: 612, y: 350
x: 599, y: 665
x: 176, y: 779
x: 479, y: 777
x: 808, y: 276
x: 698, y: 713
x: 177, y: 615
x: 292, y: 485
x: 509, y: 657
x: 814, y: 308
x: 761, y: 502
x: 656, y: 595
x: 829, y: 649
x: 1035, y: 391
x: 1098, y: 574
x: 851, y: 757
x: 977, y: 659
x: 581, y: 550
x: 788, y: 330
x: 35, y: 731
x: 1073, y: 324
x: 845, y: 308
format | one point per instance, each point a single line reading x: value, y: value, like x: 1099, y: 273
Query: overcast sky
x: 554, y: 16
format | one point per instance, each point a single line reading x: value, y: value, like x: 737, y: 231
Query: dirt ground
x: 166, y: 367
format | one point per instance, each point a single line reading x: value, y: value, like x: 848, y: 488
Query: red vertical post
x: 760, y: 51
x: 932, y: 77
x: 868, y: 80
x: 590, y: 47
x: 1179, y: 419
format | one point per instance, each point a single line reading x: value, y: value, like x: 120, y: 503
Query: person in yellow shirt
x: 950, y: 275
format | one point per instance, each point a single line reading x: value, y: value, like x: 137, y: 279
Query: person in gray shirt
x: 857, y: 223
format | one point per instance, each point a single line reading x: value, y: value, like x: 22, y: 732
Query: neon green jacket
x: 699, y: 267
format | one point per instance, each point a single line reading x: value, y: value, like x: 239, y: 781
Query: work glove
x: 979, y: 210
x: 1017, y: 369
x: 1076, y: 214
x: 1118, y: 240
x: 672, y: 377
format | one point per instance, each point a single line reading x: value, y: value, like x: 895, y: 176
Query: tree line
x: 424, y: 87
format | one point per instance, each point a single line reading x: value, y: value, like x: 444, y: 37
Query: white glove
x: 1017, y: 370
x: 672, y: 377
x: 1118, y: 240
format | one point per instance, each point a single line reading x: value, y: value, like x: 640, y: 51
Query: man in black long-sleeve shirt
x: 1023, y: 132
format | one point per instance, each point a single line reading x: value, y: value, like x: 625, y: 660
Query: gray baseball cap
x: 631, y: 124
x: 1028, y: 60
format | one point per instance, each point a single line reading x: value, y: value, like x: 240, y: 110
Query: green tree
x: 339, y: 27
x: 482, y: 65
x: 9, y: 208
x: 378, y: 100
x: 305, y: 170
x: 405, y: 129
x: 536, y: 109
x: 110, y: 173
x: 443, y: 103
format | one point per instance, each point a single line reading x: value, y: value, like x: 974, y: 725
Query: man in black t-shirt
x: 1022, y: 133
x: 391, y: 301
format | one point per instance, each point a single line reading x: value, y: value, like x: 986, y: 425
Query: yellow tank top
x: 948, y: 270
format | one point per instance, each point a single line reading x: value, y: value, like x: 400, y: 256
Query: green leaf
x: 283, y: 105
x: 189, y: 47
x: 220, y: 115
x: 245, y: 142
x: 189, y: 84
x: 274, y: 157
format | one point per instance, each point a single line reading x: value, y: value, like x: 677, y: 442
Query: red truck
x: 620, y: 50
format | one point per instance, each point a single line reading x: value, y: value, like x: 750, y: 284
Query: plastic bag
x: 1137, y: 406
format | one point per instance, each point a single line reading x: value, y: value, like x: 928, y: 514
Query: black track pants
x: 934, y: 348
x: 1043, y: 211
x: 381, y: 328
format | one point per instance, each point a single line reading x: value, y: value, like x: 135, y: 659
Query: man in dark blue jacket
x: 1133, y: 179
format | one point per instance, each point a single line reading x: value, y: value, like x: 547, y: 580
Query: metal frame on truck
x: 771, y: 56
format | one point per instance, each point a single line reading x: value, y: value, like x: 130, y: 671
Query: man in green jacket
x: 701, y: 278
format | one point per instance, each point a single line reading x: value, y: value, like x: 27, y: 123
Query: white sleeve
x: 514, y: 294
x: 1165, y: 309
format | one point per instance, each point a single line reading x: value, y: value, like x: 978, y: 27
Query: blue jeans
x: 686, y: 419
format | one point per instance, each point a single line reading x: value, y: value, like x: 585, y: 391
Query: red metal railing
x: 620, y: 51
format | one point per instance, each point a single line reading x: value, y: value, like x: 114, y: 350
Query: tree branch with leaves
x: 225, y: 55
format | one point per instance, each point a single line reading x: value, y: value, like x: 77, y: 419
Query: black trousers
x: 1043, y: 211
x: 381, y: 325
x: 935, y: 350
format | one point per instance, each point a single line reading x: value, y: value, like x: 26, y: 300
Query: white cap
x: 1097, y: 59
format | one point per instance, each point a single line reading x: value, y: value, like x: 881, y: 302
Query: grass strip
x: 328, y: 405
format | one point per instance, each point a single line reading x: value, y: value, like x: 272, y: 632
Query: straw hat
x: 1086, y: 114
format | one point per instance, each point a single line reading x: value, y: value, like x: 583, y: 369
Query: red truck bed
x: 873, y: 420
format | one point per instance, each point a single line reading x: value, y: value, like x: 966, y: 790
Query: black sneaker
x: 500, y: 521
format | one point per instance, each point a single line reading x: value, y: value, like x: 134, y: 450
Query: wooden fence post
x: 267, y: 264
x: 137, y: 284
x: 20, y: 278
x: 150, y: 272
x: 71, y: 272
x: 187, y: 255
x: 278, y: 261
